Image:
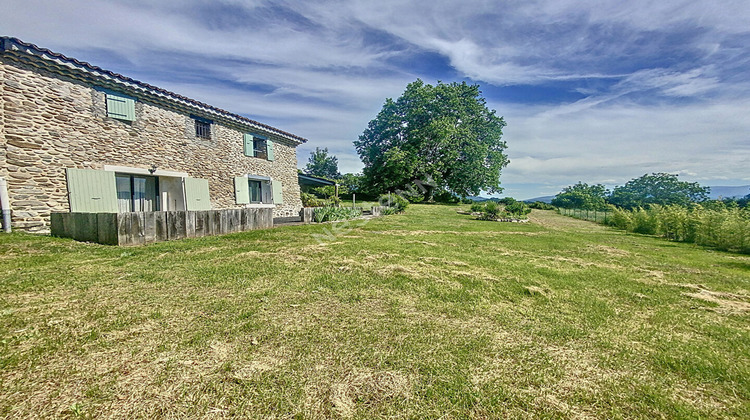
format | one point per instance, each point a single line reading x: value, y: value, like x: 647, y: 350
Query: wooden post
x: 354, y: 200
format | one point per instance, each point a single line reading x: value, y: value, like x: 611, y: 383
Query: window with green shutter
x: 196, y: 194
x: 257, y: 146
x: 269, y: 147
x: 248, y: 146
x: 120, y: 106
x: 278, y: 196
x: 91, y: 191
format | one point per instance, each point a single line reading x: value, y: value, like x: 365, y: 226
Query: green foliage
x: 491, y: 211
x: 645, y: 221
x: 582, y: 196
x: 394, y: 201
x: 658, y: 188
x: 330, y: 213
x: 310, y: 200
x: 329, y: 191
x: 727, y: 228
x: 322, y: 165
x: 353, y: 183
x: 517, y: 209
x: 444, y: 133
x: 477, y: 207
x: 541, y: 205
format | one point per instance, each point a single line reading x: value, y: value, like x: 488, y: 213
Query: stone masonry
x: 49, y: 122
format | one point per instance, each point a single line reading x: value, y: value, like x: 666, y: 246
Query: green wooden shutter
x: 248, y: 145
x: 120, y: 107
x: 241, y: 190
x: 278, y: 197
x: 91, y: 191
x: 269, y: 145
x: 196, y: 194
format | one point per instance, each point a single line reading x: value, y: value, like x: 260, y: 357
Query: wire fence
x: 600, y: 216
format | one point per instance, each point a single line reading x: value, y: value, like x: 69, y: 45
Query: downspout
x: 5, y: 204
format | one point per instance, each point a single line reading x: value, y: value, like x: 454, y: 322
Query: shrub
x: 491, y: 211
x: 541, y: 205
x: 329, y: 213
x: 309, y: 200
x: 395, y: 201
x: 517, y: 209
x: 477, y: 207
x: 644, y: 221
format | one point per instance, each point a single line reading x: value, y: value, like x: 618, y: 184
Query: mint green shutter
x: 91, y: 191
x: 278, y: 196
x: 241, y: 190
x: 248, y: 145
x: 196, y: 194
x: 120, y: 107
x: 269, y: 145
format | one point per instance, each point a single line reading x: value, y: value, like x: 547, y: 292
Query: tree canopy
x: 582, y: 196
x: 322, y: 165
x: 443, y: 133
x: 657, y: 188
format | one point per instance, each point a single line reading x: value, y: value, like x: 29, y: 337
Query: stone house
x: 75, y: 137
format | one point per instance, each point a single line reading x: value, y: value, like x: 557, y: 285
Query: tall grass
x: 727, y: 229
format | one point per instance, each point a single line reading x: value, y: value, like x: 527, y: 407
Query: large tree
x: 582, y: 196
x: 442, y: 136
x: 657, y: 188
x: 322, y: 165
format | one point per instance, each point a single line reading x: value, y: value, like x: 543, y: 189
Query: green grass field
x: 427, y: 314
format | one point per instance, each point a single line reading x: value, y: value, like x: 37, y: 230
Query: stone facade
x: 50, y: 122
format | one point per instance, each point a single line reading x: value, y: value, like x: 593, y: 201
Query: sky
x: 593, y: 91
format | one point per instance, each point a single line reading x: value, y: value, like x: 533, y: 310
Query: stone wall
x: 51, y: 123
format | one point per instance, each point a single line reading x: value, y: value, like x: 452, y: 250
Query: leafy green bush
x: 517, y: 209
x: 541, y: 205
x: 491, y: 211
x: 477, y: 207
x: 645, y: 221
x: 394, y: 200
x: 309, y: 200
x: 330, y: 213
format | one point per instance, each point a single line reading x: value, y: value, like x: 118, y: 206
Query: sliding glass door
x: 137, y: 193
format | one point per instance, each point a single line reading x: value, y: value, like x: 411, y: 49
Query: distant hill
x: 481, y: 199
x: 544, y: 199
x: 729, y: 192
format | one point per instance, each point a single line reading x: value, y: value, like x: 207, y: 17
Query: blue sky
x: 593, y: 91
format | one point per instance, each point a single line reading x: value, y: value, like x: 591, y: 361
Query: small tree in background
x: 322, y: 165
x: 582, y: 196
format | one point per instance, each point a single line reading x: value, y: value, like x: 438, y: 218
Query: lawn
x: 427, y: 314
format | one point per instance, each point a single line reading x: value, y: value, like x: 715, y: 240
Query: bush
x: 395, y: 201
x: 329, y: 213
x: 517, y: 209
x: 645, y: 221
x: 477, y: 207
x: 491, y: 211
x: 541, y: 205
x: 309, y: 200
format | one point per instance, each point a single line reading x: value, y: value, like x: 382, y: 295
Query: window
x: 202, y: 130
x: 202, y: 127
x: 120, y: 106
x: 255, y: 191
x: 258, y: 146
x: 137, y: 193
